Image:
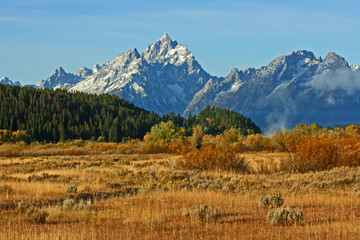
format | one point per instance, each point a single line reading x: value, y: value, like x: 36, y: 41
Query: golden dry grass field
x: 122, y: 194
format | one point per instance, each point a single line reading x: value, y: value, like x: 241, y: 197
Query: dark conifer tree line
x: 58, y: 115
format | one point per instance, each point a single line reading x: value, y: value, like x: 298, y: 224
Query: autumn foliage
x: 315, y: 153
x: 213, y: 157
x: 7, y: 136
x: 164, y: 137
x: 313, y: 148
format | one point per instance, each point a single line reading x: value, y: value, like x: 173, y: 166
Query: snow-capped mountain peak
x: 233, y: 77
x: 163, y: 78
x: 165, y: 38
x: 59, y: 79
x: 166, y: 51
x: 334, y: 61
x: 127, y: 57
x: 84, y: 72
x: 59, y: 72
x: 6, y: 80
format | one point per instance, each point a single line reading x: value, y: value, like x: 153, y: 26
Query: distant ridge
x: 5, y: 80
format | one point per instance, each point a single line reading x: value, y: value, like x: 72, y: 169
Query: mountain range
x: 5, y: 80
x: 294, y: 88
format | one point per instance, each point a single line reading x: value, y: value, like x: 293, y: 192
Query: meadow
x: 89, y: 190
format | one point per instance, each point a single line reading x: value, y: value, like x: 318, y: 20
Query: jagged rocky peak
x: 96, y: 68
x: 6, y: 80
x: 234, y: 71
x: 233, y: 76
x: 59, y: 71
x: 84, y: 72
x: 133, y: 53
x: 166, y: 50
x: 124, y: 58
x: 166, y: 41
x: 59, y: 79
x: 334, y: 61
x: 301, y: 57
x: 248, y: 71
x: 289, y: 66
x: 303, y: 53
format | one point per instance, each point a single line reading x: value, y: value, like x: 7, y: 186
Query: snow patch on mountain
x: 6, y: 80
x: 355, y: 67
x: 235, y: 87
x: 61, y: 79
x: 84, y: 72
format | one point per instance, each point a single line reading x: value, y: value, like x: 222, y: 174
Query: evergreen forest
x: 50, y: 115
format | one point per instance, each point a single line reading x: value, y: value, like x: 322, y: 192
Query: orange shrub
x: 213, y: 157
x: 176, y: 148
x: 314, y: 153
x: 159, y: 146
x: 259, y: 142
x: 349, y: 151
x: 291, y: 141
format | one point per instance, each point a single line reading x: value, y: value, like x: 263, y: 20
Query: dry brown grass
x: 328, y: 200
x: 73, y: 148
x: 160, y: 216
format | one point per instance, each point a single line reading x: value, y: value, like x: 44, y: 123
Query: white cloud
x: 344, y: 79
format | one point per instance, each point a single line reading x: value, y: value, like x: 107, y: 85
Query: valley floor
x: 140, y: 196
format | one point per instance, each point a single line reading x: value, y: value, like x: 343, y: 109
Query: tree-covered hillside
x: 58, y: 115
x: 215, y: 120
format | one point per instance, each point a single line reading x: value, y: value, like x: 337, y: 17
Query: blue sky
x: 37, y: 36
